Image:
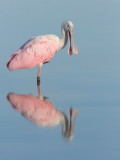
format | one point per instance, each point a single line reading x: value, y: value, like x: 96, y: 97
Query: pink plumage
x: 36, y: 51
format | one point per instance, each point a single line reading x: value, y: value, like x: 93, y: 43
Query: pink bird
x: 39, y: 50
x: 42, y: 112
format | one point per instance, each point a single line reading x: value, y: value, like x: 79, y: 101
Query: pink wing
x: 41, y: 112
x: 35, y: 51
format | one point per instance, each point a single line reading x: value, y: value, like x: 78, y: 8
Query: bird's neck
x: 64, y: 38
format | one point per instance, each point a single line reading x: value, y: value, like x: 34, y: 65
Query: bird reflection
x: 42, y: 112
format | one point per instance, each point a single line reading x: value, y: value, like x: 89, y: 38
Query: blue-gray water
x: 89, y: 81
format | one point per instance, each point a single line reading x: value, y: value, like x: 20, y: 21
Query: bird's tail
x: 11, y: 58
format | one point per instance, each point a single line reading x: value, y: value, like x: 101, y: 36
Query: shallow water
x: 88, y: 82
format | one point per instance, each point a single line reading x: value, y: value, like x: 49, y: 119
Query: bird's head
x: 68, y: 27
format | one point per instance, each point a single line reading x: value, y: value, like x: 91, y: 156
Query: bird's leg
x: 38, y: 88
x: 38, y: 74
x: 40, y: 97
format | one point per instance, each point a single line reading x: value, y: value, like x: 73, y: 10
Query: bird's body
x: 37, y: 50
x: 41, y: 49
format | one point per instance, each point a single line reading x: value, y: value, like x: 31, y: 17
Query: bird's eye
x: 68, y: 26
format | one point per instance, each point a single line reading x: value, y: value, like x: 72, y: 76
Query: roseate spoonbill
x: 42, y: 112
x: 39, y: 50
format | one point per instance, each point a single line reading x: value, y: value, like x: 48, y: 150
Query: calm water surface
x: 88, y: 83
